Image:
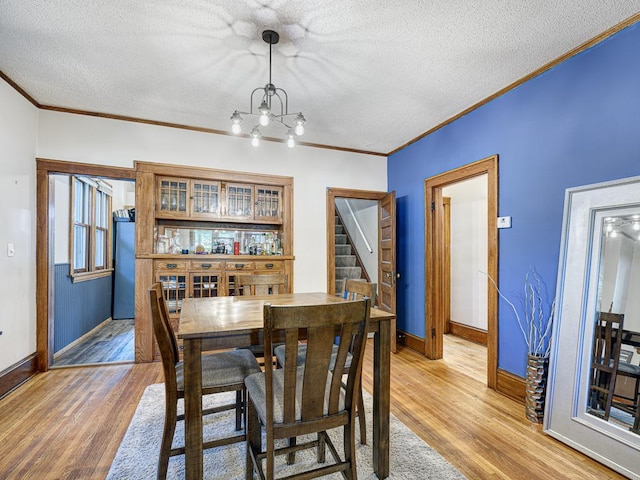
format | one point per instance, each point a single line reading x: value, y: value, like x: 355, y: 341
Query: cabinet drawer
x: 170, y: 265
x: 277, y: 266
x: 240, y: 266
x: 205, y: 266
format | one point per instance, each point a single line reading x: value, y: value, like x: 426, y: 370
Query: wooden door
x: 387, y: 261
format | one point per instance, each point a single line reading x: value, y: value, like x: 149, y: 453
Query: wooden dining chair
x: 309, y: 398
x: 221, y: 372
x: 605, y: 358
x: 261, y: 284
x: 353, y: 290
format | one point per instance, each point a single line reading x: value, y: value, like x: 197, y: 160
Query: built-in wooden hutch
x: 198, y: 228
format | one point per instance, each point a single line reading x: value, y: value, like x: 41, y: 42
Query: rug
x: 137, y: 456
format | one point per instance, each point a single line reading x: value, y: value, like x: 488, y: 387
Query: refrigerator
x: 124, y: 241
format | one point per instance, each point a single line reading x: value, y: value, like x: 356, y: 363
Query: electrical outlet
x: 504, y: 222
x: 10, y: 250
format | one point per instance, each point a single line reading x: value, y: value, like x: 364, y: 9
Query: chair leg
x: 240, y: 408
x: 362, y: 419
x: 349, y: 439
x: 271, y: 457
x: 254, y: 436
x: 321, y: 453
x: 170, y: 419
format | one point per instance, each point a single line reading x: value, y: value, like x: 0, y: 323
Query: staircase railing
x: 355, y: 219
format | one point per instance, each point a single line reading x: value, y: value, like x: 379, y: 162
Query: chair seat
x: 256, y: 389
x: 222, y: 369
x: 302, y: 354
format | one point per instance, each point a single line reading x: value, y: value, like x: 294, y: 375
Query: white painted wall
x: 632, y: 310
x: 79, y: 138
x: 18, y: 138
x: 469, y: 251
x: 123, y: 194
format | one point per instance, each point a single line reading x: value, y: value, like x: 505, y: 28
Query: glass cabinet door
x: 205, y: 284
x: 172, y: 195
x: 174, y: 286
x: 206, y: 198
x: 268, y: 203
x: 239, y: 201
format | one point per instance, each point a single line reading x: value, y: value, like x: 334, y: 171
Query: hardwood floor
x: 112, y: 343
x: 68, y: 423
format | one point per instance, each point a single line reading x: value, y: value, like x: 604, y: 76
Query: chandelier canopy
x: 270, y: 97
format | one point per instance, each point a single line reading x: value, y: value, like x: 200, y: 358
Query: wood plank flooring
x: 112, y: 343
x: 68, y: 423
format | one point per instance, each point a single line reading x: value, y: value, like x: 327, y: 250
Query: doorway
x: 46, y: 246
x: 436, y: 268
x: 384, y: 242
x: 94, y: 258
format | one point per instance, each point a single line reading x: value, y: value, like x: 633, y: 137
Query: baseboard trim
x: 511, y: 385
x: 410, y: 341
x: 468, y: 333
x: 18, y: 373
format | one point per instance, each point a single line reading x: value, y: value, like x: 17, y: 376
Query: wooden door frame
x: 434, y: 259
x: 332, y: 194
x: 44, y: 243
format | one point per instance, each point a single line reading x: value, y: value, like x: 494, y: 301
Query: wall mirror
x: 592, y: 397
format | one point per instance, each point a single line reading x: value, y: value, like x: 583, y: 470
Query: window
x: 89, y: 243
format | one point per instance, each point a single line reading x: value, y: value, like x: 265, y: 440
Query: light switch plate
x: 10, y: 250
x: 504, y: 222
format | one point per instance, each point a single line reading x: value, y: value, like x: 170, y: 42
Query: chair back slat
x: 320, y: 392
x: 316, y: 371
x: 262, y: 284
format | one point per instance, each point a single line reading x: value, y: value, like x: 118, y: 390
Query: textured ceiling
x: 368, y: 75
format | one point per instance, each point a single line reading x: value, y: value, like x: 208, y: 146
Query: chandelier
x: 270, y: 97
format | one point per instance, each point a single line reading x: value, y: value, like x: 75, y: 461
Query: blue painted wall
x: 78, y: 307
x: 576, y: 124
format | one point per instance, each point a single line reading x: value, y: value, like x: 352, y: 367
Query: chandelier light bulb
x: 236, y: 120
x: 291, y: 139
x: 255, y: 137
x: 300, y: 121
x: 614, y: 234
x: 264, y: 114
x: 636, y: 226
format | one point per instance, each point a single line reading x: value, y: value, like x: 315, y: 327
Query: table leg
x: 381, y: 399
x: 193, y: 408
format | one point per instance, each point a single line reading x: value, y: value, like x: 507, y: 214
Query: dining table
x: 216, y: 323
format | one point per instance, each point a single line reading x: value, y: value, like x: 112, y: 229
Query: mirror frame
x: 566, y: 418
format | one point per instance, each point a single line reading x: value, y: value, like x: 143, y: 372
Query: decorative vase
x: 536, y: 386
